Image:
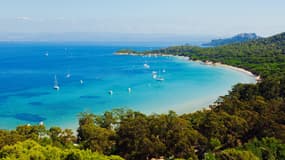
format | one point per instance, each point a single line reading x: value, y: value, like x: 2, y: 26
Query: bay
x: 27, y: 72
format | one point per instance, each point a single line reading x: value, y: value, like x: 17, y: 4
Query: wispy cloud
x: 24, y: 18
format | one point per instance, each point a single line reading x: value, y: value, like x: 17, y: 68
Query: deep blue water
x: 27, y: 79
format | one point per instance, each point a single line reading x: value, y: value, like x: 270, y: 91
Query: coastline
x: 218, y: 64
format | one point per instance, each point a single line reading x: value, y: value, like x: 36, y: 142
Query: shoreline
x: 206, y: 104
x: 218, y: 64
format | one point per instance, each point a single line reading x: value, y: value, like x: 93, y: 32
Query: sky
x: 177, y: 17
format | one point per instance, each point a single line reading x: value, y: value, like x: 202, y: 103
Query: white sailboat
x: 146, y: 66
x: 55, y: 86
x: 154, y: 74
x: 68, y: 75
x: 81, y: 81
x: 158, y: 77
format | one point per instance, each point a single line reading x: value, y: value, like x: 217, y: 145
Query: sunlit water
x: 27, y: 80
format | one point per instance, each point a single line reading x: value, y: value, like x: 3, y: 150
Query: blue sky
x: 187, y: 17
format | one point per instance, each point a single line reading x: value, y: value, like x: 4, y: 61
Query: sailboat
x: 55, y: 86
x: 158, y: 77
x: 146, y: 66
x: 154, y: 74
x: 81, y: 81
x: 68, y: 75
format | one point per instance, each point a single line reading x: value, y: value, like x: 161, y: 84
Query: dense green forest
x: 248, y: 123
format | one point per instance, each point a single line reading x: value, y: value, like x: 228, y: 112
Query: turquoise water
x: 27, y: 79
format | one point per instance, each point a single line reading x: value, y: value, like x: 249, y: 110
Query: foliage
x: 94, y: 137
x: 30, y: 149
x: 233, y: 154
x: 267, y: 148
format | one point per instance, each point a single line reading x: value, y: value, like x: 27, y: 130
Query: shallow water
x: 27, y: 79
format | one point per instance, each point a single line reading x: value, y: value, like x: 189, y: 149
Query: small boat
x: 157, y: 76
x: 163, y: 71
x: 129, y: 90
x: 159, y: 79
x: 146, y: 66
x: 46, y: 54
x: 56, y: 86
x: 110, y: 92
x: 81, y: 82
x: 154, y: 72
x: 41, y: 123
x: 68, y: 75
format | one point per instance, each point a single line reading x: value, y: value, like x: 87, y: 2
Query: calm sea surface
x: 27, y: 75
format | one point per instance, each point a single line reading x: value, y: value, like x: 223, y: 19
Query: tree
x: 233, y: 154
x: 269, y: 88
x: 133, y: 137
x: 32, y: 132
x: 61, y: 138
x: 9, y: 138
x: 94, y: 137
x: 267, y: 148
x: 229, y: 129
x: 31, y: 150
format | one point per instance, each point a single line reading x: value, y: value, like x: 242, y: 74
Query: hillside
x: 242, y: 37
x: 264, y: 56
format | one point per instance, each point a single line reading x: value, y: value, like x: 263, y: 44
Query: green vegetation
x: 38, y: 143
x: 248, y: 123
x: 264, y: 56
x: 126, y: 51
x: 30, y: 149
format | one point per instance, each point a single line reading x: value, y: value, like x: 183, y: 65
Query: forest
x: 247, y: 123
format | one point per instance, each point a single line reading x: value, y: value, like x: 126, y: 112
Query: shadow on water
x: 35, y: 103
x: 23, y: 95
x: 25, y: 117
x: 29, y: 117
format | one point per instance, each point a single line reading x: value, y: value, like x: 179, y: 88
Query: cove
x: 27, y: 79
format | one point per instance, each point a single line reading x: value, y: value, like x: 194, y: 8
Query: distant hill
x: 242, y: 37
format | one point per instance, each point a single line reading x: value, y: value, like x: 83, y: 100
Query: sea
x: 92, y: 78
